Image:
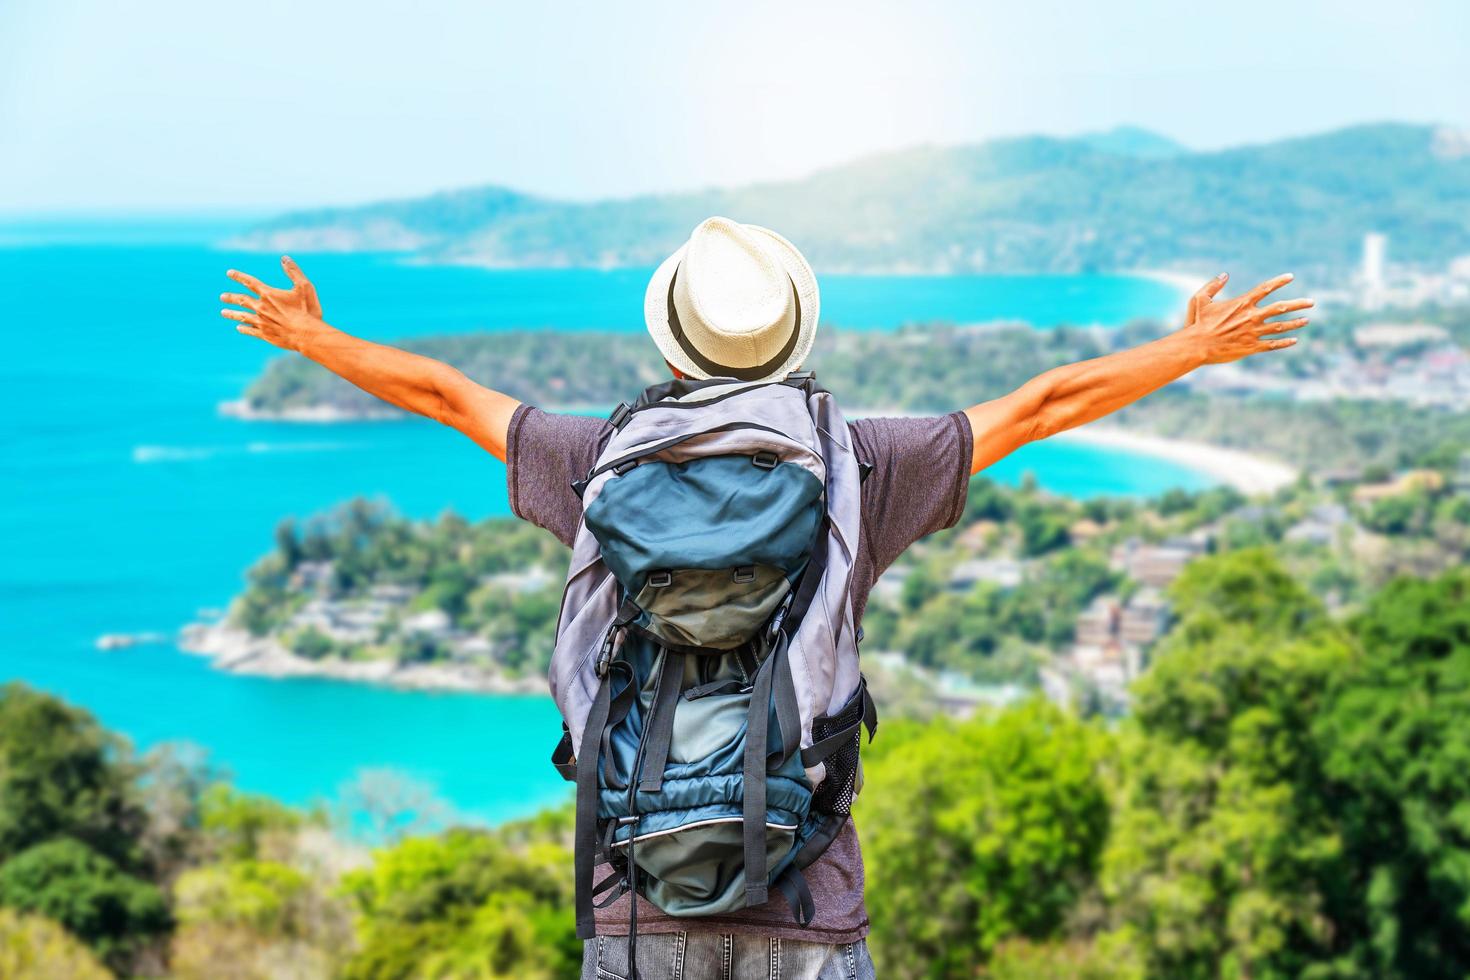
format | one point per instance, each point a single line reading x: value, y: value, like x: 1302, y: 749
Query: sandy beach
x: 1248, y: 473
x: 1186, y: 282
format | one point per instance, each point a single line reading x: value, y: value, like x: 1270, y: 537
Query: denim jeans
x: 716, y: 956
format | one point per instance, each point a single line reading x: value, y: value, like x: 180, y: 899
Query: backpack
x: 706, y: 660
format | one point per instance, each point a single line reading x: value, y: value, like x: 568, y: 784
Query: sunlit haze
x: 179, y: 105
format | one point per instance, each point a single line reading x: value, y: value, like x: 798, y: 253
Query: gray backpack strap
x: 823, y: 650
x: 588, y: 608
x: 659, y: 726
x: 772, y: 679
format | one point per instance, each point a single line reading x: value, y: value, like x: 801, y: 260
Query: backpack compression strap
x: 774, y: 676
x: 584, y: 851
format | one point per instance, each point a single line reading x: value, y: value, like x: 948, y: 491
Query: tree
x: 171, y: 786
x: 977, y: 832
x: 1224, y: 834
x: 260, y: 895
x: 62, y: 774
x: 387, y: 805
x: 288, y: 543
x: 311, y: 643
x: 35, y: 948
x: 1397, y: 746
x: 1043, y: 528
x: 65, y: 880
x: 467, y: 904
x: 237, y: 826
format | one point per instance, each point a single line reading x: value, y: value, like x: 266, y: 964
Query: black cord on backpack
x: 632, y: 822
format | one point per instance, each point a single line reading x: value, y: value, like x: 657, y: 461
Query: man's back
x: 920, y: 471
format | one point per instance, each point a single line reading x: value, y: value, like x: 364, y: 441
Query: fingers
x: 240, y: 299
x: 241, y: 316
x: 1267, y: 288
x: 1211, y: 289
x: 293, y: 271
x: 248, y: 281
x: 1281, y: 326
x: 1278, y: 344
x: 1286, y: 306
x: 250, y: 332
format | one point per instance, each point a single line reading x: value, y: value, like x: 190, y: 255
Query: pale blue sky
x: 184, y: 104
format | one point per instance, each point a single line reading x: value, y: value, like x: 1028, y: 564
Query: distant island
x: 1368, y: 390
x: 1123, y: 200
x: 1030, y: 590
x: 362, y: 594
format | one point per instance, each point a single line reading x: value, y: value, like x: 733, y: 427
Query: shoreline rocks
x: 237, y: 651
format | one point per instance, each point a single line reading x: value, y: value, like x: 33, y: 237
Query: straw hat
x: 735, y: 301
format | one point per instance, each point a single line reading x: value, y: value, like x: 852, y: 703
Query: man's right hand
x: 292, y: 319
x: 283, y: 317
x: 1230, y: 329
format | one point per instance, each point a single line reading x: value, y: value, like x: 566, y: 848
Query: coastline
x: 237, y: 651
x: 239, y: 408
x: 1247, y: 472
x: 1186, y: 282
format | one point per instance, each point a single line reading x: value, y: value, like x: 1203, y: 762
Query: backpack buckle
x: 624, y: 467
x: 765, y: 459
x: 778, y: 618
x: 743, y: 574
x: 619, y: 415
x: 661, y: 579
x: 604, y: 656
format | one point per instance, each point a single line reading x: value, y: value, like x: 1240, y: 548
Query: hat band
x: 718, y: 370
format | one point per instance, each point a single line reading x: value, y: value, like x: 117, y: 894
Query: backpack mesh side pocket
x: 835, y: 794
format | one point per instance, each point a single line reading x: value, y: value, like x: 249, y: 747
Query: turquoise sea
x: 128, y: 503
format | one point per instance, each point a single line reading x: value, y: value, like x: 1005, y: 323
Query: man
x: 740, y: 301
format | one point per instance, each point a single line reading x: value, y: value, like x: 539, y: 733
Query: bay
x: 128, y: 503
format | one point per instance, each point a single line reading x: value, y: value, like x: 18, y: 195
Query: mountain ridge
x: 1123, y: 199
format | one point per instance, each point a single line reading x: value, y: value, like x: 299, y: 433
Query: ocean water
x: 128, y: 504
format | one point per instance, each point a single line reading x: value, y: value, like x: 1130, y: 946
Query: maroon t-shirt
x: 921, y: 469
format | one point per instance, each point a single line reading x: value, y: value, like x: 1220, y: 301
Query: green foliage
x: 1042, y: 528
x: 266, y: 601
x: 1020, y: 959
x: 62, y: 774
x: 86, y: 892
x: 1397, y: 745
x: 35, y: 948
x: 979, y: 831
x: 1405, y: 514
x: 311, y: 643
x: 259, y: 895
x: 989, y: 632
x: 236, y: 824
x: 443, y: 565
x: 261, y: 907
x: 467, y: 904
x: 1223, y: 832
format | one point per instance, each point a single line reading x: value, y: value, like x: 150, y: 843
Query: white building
x: 1004, y: 572
x: 1372, y: 273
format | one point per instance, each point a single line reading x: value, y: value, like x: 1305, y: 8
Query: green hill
x: 1125, y: 199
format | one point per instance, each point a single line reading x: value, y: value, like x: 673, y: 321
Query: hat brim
x: 656, y: 308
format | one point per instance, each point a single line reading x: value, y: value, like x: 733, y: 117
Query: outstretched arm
x: 1215, y: 331
x: 292, y: 320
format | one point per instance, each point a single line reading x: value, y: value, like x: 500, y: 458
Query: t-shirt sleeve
x: 920, y: 476
x: 545, y: 452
